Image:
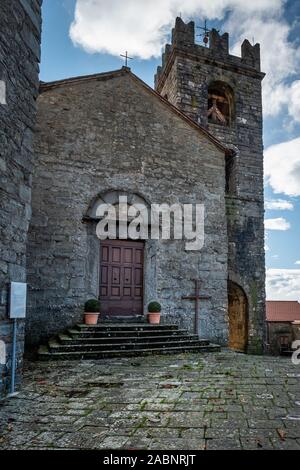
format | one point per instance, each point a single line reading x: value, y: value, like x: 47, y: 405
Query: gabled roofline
x: 46, y: 86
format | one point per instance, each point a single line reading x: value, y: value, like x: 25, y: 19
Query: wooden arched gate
x: 238, y: 317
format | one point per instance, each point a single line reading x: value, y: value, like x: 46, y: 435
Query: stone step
x: 124, y: 327
x: 123, y: 319
x: 68, y: 340
x: 75, y: 333
x: 122, y: 340
x: 45, y: 354
x: 55, y: 346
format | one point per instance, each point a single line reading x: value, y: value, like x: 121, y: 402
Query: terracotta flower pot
x: 91, y: 318
x: 154, y: 318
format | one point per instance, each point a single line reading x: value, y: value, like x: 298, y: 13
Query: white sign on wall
x: 18, y: 294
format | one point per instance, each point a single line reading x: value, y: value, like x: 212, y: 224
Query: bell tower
x: 222, y: 93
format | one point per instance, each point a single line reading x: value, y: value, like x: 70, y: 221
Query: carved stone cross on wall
x: 196, y: 298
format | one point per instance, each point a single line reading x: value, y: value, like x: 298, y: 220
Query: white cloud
x: 283, y: 284
x: 280, y: 58
x: 267, y: 248
x: 279, y: 205
x: 143, y: 26
x: 282, y: 167
x: 277, y: 224
x: 297, y: 262
x: 292, y: 100
x: 279, y: 95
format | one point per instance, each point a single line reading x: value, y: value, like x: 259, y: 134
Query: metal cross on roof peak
x: 126, y: 57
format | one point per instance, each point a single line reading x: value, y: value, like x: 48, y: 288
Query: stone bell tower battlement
x: 223, y: 93
x: 183, y: 38
x: 220, y: 92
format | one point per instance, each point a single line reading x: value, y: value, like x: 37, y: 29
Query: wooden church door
x: 238, y: 317
x: 121, y: 277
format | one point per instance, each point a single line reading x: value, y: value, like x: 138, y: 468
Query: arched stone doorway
x: 238, y: 317
x: 126, y: 266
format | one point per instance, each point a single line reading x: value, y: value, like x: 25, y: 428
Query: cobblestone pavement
x: 209, y: 401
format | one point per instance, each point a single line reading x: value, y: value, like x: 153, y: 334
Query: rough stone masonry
x: 20, y: 29
x: 109, y: 134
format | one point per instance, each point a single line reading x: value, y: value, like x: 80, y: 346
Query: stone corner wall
x: 20, y: 31
x: 185, y: 75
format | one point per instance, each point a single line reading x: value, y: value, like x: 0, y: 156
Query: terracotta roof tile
x: 282, y: 310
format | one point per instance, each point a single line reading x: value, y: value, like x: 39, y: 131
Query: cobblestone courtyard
x: 211, y: 401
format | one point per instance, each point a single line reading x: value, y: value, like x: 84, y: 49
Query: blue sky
x: 102, y: 30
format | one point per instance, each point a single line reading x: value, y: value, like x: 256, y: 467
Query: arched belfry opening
x: 220, y: 104
x: 238, y: 317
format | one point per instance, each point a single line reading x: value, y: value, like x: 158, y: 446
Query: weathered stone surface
x: 187, y: 72
x: 72, y: 406
x: 110, y: 134
x: 20, y: 27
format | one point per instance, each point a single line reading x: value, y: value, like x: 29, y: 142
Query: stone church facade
x: 103, y: 136
x: 196, y: 139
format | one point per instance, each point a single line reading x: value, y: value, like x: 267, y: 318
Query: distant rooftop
x: 283, y: 310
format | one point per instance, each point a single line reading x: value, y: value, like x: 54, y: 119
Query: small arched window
x: 220, y: 106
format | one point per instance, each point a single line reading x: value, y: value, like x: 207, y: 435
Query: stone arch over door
x: 112, y: 197
x: 150, y: 247
x: 237, y: 317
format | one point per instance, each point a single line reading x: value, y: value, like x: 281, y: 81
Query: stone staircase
x: 122, y: 340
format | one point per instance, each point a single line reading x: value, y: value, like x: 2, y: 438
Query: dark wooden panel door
x: 121, y: 277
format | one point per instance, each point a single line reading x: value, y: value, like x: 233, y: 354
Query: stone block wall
x: 20, y: 30
x: 110, y: 133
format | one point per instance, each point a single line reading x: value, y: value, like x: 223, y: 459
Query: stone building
x: 196, y: 139
x: 20, y: 28
x: 223, y: 93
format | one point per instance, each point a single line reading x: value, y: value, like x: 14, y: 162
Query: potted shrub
x: 154, y: 309
x: 91, y: 312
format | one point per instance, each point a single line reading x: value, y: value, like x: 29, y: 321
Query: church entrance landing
x: 121, y: 277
